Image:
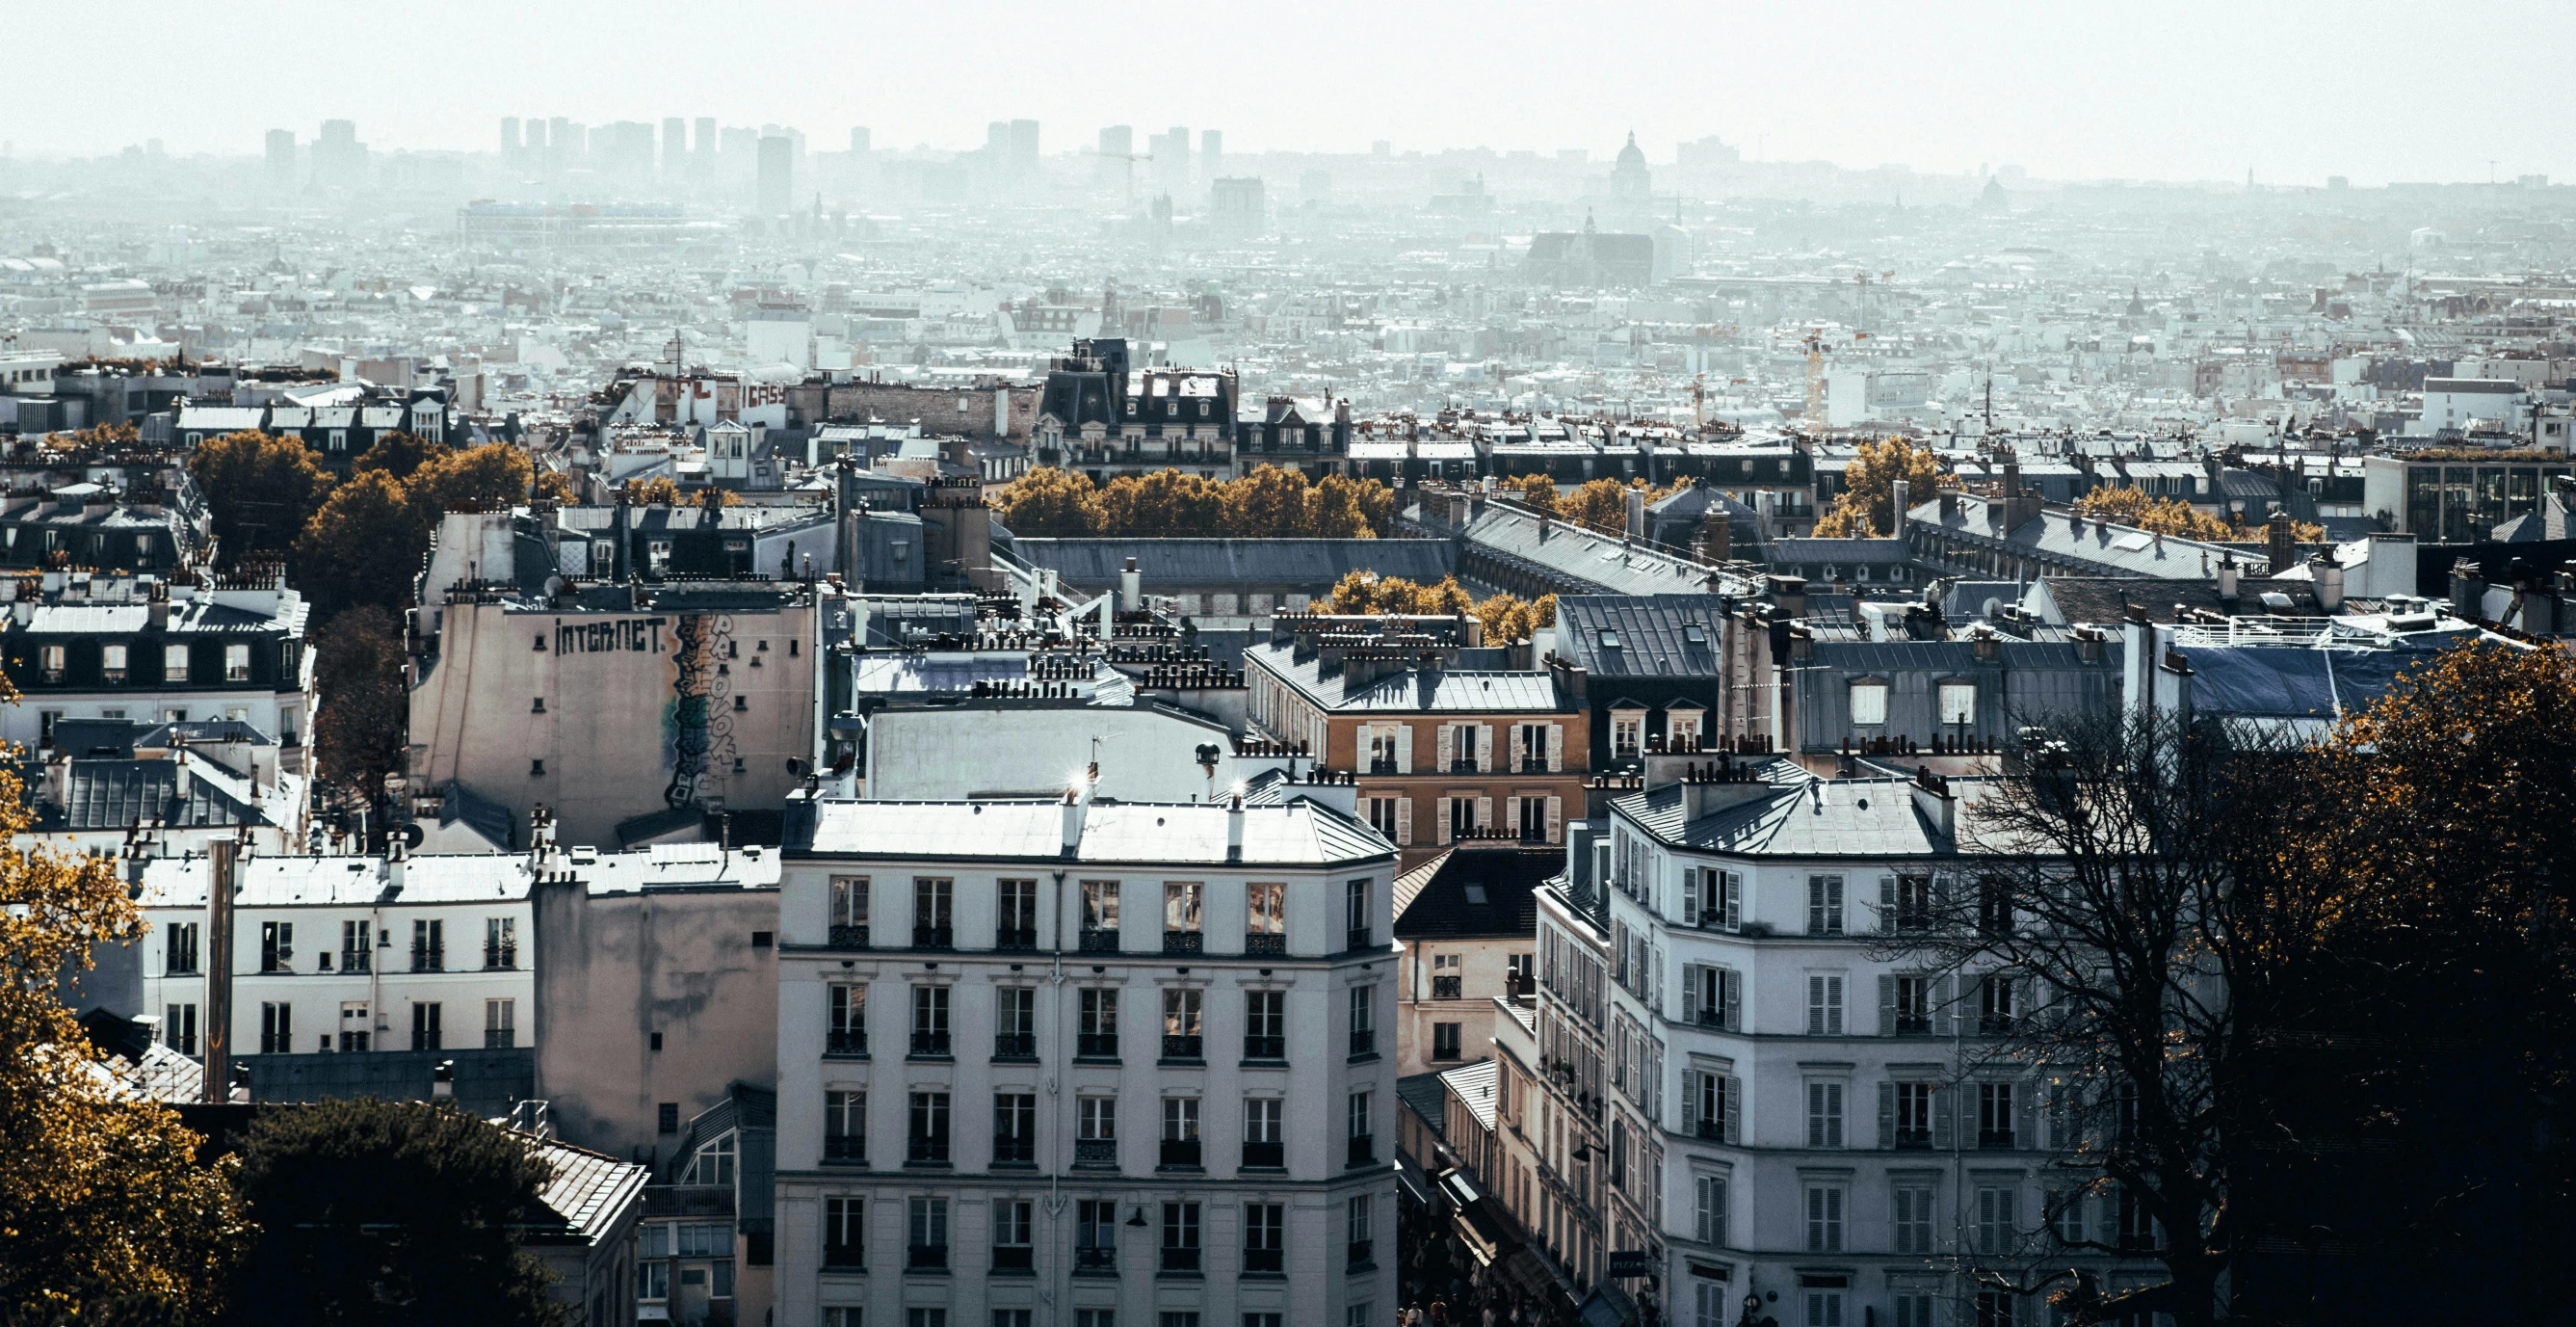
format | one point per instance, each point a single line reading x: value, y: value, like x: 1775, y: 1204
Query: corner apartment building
x: 1787, y: 1108
x: 1446, y: 741
x: 1079, y: 1063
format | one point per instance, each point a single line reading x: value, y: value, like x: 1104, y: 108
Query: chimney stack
x: 1131, y: 588
x: 1234, y: 829
x: 2227, y: 581
x: 1896, y: 510
x: 2329, y: 578
x: 2277, y: 537
x: 1637, y: 513
x: 1074, y: 807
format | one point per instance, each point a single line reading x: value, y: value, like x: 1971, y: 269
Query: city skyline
x: 2193, y: 93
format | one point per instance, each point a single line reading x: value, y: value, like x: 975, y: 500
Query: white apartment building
x: 1085, y: 1064
x: 346, y: 954
x: 1790, y: 1110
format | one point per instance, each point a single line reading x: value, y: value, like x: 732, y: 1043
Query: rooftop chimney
x: 1234, y: 829
x: 1074, y: 807
x: 2227, y: 580
x: 1131, y: 588
x: 2329, y: 578
x: 2277, y: 539
x: 1932, y: 797
x: 1636, y: 513
x: 1896, y: 510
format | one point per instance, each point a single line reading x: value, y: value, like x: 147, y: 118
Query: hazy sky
x: 2295, y: 90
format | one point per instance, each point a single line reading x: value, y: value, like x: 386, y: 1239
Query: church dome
x: 1630, y: 155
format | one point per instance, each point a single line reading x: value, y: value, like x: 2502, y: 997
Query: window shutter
x: 1734, y: 1109
x: 1512, y: 814
x: 1886, y: 1005
x: 1404, y: 748
x: 1690, y: 1102
x: 1555, y: 747
x: 1485, y: 814
x: 1887, y: 1115
x: 1734, y: 1000
x: 1941, y: 1095
x: 1690, y: 897
x: 1945, y: 1011
x: 1887, y: 903
x: 1690, y: 992
x: 1448, y: 746
x: 2026, y: 1114
x: 1734, y: 900
x: 1441, y: 830
x: 1485, y: 752
x: 1555, y: 819
x: 1403, y: 821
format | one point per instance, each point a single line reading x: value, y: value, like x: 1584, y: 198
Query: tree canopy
x: 104, y: 1207
x: 363, y: 546
x: 1272, y: 502
x: 1866, y: 506
x: 358, y: 669
x: 261, y: 490
x: 1506, y: 618
x: 391, y: 1212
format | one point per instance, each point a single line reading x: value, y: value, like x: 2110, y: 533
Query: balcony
x: 919, y: 1151
x: 1360, y: 1255
x: 1087, y: 1258
x: 1015, y: 1045
x: 1714, y: 1130
x: 1009, y: 1150
x: 1444, y: 988
x: 930, y: 1044
x: 845, y: 1150
x: 352, y: 960
x: 1363, y: 1149
x: 1096, y: 1046
x: 1363, y: 1042
x: 1996, y: 1140
x: 1265, y: 1048
x: 850, y: 937
x: 1264, y: 1262
x: 1184, y: 942
x: 844, y: 1258
x: 1462, y: 765
x: 925, y: 1257
x: 1534, y: 765
x: 934, y: 937
x: 1265, y: 1156
x: 1176, y: 1259
x: 1182, y: 1046
x: 427, y: 958
x: 1095, y: 1152
x: 1100, y: 942
x: 1014, y: 1258
x: 846, y: 1042
x: 1180, y: 1153
x: 1913, y: 1140
x: 500, y: 956
x: 1015, y: 938
x: 499, y: 1039
x: 1264, y: 942
x: 1357, y: 938
x: 1913, y: 1025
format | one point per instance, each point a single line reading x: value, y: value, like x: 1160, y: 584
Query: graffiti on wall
x: 698, y: 727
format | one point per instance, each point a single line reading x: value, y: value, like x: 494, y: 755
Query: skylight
x: 1609, y: 639
x: 1476, y: 895
x: 1692, y: 634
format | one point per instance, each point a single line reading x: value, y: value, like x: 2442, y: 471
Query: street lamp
x: 1752, y: 1305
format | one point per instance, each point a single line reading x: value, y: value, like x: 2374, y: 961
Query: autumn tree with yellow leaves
x: 1866, y: 506
x: 1505, y: 618
x: 1272, y: 502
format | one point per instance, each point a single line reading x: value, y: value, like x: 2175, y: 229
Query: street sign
x: 1631, y: 1262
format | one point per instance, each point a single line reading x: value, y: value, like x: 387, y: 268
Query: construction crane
x: 1863, y: 280
x: 1128, y: 162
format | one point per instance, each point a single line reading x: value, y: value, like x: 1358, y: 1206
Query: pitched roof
x: 1303, y: 833
x: 1650, y: 629
x: 1476, y: 891
x: 1249, y: 562
x: 2106, y: 599
x: 586, y: 1192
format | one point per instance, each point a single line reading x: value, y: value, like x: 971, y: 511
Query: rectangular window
x: 1182, y: 1028
x: 236, y: 663
x: 1868, y: 704
x: 1265, y: 912
x: 1355, y: 915
x: 1958, y: 703
x: 1363, y: 1128
x: 1912, y: 1116
x: 1097, y: 1028
x: 1824, y: 1005
x: 1095, y: 1247
x: 1265, y: 1243
x: 849, y: 919
x: 653, y: 1280
x: 179, y: 1028
x: 1015, y: 1128
x: 1265, y: 1025
x: 1824, y: 1304
x: 50, y: 662
x: 1824, y: 1218
x: 933, y: 905
x: 1824, y: 905
x: 1911, y: 1207
x: 1015, y: 1022
x: 1100, y: 915
x: 1444, y: 1041
x: 277, y: 946
x: 1356, y: 1222
x: 845, y: 1126
x: 1824, y: 1114
x: 428, y: 946
x: 1096, y: 1119
x: 1015, y: 914
x: 276, y: 1028
x: 1261, y: 1141
x: 425, y: 1026
x: 1910, y: 1005
x: 927, y: 1140
x: 357, y: 946
x: 1014, y: 1239
x: 847, y: 1032
x: 2066, y: 1216
x: 930, y: 1020
x: 179, y: 948
x: 112, y: 664
x: 1182, y: 900
x: 926, y: 1233
x: 356, y: 1030
x: 174, y: 663
x: 1363, y: 1020
x: 500, y: 942
x: 1995, y: 1115
x: 1993, y: 1220
x: 1180, y: 1237
x: 1708, y: 1209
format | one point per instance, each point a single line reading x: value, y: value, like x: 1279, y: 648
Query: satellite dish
x: 412, y: 835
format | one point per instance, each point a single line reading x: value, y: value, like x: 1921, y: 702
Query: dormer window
x: 1609, y: 639
x: 1868, y: 704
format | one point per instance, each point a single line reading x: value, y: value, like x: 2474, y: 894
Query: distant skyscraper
x: 777, y: 174
x: 509, y: 137
x: 1172, y: 159
x: 1024, y: 146
x: 339, y: 159
x: 1111, y: 168
x: 281, y: 158
x: 859, y: 140
x: 1211, y: 153
x: 558, y: 131
x: 535, y: 143
x: 997, y: 141
x: 703, y: 160
x: 675, y: 145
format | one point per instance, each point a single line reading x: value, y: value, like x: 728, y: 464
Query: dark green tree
x: 397, y: 1213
